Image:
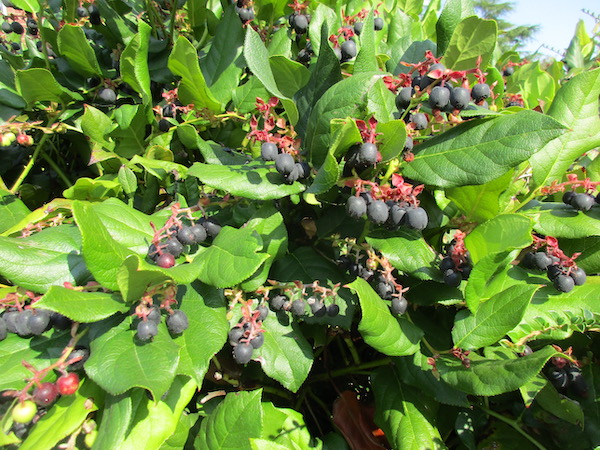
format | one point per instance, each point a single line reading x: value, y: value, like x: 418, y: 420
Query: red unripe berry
x: 68, y: 384
x: 165, y: 260
x: 25, y: 140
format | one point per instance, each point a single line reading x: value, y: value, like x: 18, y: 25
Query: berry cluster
x: 180, y: 231
x: 150, y: 315
x: 363, y: 155
x: 456, y: 265
x: 291, y: 298
x: 378, y: 271
x: 171, y: 113
x: 561, y: 269
x: 581, y: 201
x: 393, y: 206
x: 566, y: 377
x: 285, y: 164
x: 244, y: 10
x: 248, y: 333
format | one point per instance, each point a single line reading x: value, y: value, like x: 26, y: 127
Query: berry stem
x: 352, y: 369
x: 352, y: 348
x: 513, y: 424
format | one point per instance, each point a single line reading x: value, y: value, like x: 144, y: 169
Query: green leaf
x: 454, y: 11
x: 36, y: 351
x: 244, y: 96
x: 589, y: 247
x: 224, y: 62
x: 479, y: 151
x: 49, y: 257
x: 366, y: 60
x: 93, y: 190
x: 348, y: 98
x: 82, y: 306
x: 134, y: 62
x: 410, y: 6
x: 103, y: 255
x: 39, y: 85
x: 119, y: 362
x: 576, y: 106
x: 408, y: 419
x: 116, y: 418
x: 562, y: 221
x: 286, y: 428
x: 290, y: 76
x: 75, y: 47
x: 233, y: 423
x: 473, y: 38
x: 256, y: 180
x: 502, y: 233
x: 257, y: 58
x: 97, y: 126
x: 381, y: 102
x: 392, y: 139
x: 591, y: 405
x: 482, y: 202
x: 155, y: 422
x: 560, y: 406
x: 183, y: 62
x: 382, y: 331
x: 205, y: 309
x: 128, y: 180
x: 211, y: 152
x: 408, y: 252
x: 493, y: 376
x: 12, y: 210
x: 133, y: 281
x: 64, y: 418
x: 494, y: 318
x: 32, y: 6
x: 131, y: 132
x: 535, y: 84
x: 323, y: 20
x: 233, y: 256
x: 412, y: 55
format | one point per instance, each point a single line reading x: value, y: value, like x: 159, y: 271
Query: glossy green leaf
x: 134, y: 62
x: 205, y: 309
x: 32, y: 6
x: 39, y: 85
x: 410, y: 6
x: 392, y: 138
x: 12, y: 210
x: 257, y: 58
x: 366, y: 60
x: 74, y: 46
x: 116, y: 418
x: 183, y: 62
x: 408, y: 252
x: 379, y: 328
x: 589, y: 247
x: 128, y: 180
x: 535, y: 85
x: 286, y: 356
x: 562, y: 221
x: 382, y: 103
x: 494, y: 318
x: 286, y: 428
x: 560, y: 406
x: 133, y: 281
x: 479, y: 151
x: 93, y: 189
x: 256, y: 180
x: 493, y: 376
x: 408, y: 419
x: 412, y: 54
x: 222, y: 428
x: 324, y: 20
x: 290, y: 76
x: 64, y: 418
x: 82, y: 306
x: 244, y: 96
x: 502, y: 233
x: 576, y: 106
x: 473, y: 38
x: 49, y: 257
x: 97, y: 126
x: 119, y: 362
x: 454, y: 11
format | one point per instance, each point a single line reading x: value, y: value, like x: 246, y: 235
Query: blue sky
x: 557, y: 19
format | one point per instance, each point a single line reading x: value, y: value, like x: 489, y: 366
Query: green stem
x: 57, y: 169
x: 42, y: 33
x: 352, y: 369
x: 33, y: 159
x: 514, y: 425
x: 353, y: 351
x: 392, y: 168
x: 172, y: 22
x: 279, y: 392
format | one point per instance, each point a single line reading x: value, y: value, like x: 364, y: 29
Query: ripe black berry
x: 452, y: 278
x: 246, y: 14
x: 177, y: 322
x: 186, y: 236
x: 258, y: 340
x: 399, y: 305
x: 304, y: 56
x: 284, y: 163
x: 146, y: 330
x: 378, y: 23
x: 404, y: 97
x: 235, y: 334
x: 559, y: 379
x: 367, y: 153
x: 32, y: 26
x: 264, y: 312
x: 45, y: 394
x: 212, y: 228
x: 107, y: 96
x: 439, y: 97
x: 242, y: 353
x: 385, y: 290
x: 348, y: 49
x: 199, y: 233
x: 174, y: 247
x: 397, y: 215
x: 554, y: 271
x: 164, y: 125
x: 17, y: 27
x: 578, y: 276
x: 416, y: 218
x: 318, y: 309
x: 82, y: 12
x: 541, y: 260
x: 300, y: 23
x: 166, y: 260
x: 378, y: 212
x: 10, y: 317
x: 465, y: 271
x: 38, y: 321
x: 460, y: 97
x: 447, y: 263
x: 356, y: 207
x: 81, y: 352
x: 6, y: 28
x: 480, y: 92
x: 268, y: 151
x: 582, y: 202
x: 419, y: 121
x: 94, y: 15
x: 3, y: 329
x: 277, y: 302
x: 508, y: 71
x: 303, y: 170
x: 294, y: 175
x: 333, y: 310
x: 22, y: 323
x: 564, y: 283
x: 358, y: 26
x: 298, y: 307
x: 576, y: 381
x: 154, y: 315
x: 567, y: 197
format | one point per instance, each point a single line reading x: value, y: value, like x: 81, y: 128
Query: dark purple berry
x: 480, y: 92
x: 378, y: 212
x: 6, y: 28
x: 173, y: 246
x: 508, y: 71
x: 82, y: 12
x: 177, y: 322
x: 541, y: 260
x: 22, y: 323
x: 235, y: 334
x: 559, y: 379
x: 378, y: 23
x: 199, y: 233
x: 385, y: 290
x: 578, y: 276
x: 348, y: 49
x: 264, y: 312
x: 107, y: 95
x: 154, y: 315
x: 94, y: 13
x: 399, y: 305
x: 447, y: 263
x: 358, y: 26
x: 564, y: 283
x: 284, y: 163
x: 258, y: 340
x: 164, y: 125
x: 300, y: 23
x: 439, y: 97
x: 318, y: 308
x: 576, y: 381
x: 303, y: 170
x: 246, y: 14
x: 3, y: 329
x: 146, y: 330
x: 80, y: 352
x: 356, y: 207
x: 416, y: 218
x: 582, y: 202
x: 333, y: 310
x: 242, y: 353
x: 568, y: 197
x: 17, y: 28
x: 212, y: 228
x: 268, y: 151
x: 277, y: 302
x: 554, y: 271
x: 397, y: 215
x: 38, y: 321
x: 419, y: 121
x: 452, y: 278
x: 60, y: 322
x: 367, y: 153
x: 186, y: 236
x: 298, y: 307
x: 404, y: 97
x: 460, y: 97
